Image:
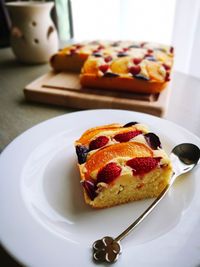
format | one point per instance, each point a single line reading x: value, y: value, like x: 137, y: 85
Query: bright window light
x: 148, y: 20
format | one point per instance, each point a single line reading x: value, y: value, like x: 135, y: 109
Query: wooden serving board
x: 64, y: 89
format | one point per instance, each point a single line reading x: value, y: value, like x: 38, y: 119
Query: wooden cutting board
x: 64, y: 89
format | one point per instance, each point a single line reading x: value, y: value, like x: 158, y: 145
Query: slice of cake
x: 121, y: 163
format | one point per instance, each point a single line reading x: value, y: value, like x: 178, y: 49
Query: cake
x: 139, y: 67
x: 121, y: 163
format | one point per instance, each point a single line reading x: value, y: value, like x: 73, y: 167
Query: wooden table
x: 17, y: 115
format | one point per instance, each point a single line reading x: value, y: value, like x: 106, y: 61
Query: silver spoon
x: 184, y: 158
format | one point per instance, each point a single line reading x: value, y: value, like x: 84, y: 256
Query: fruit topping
x: 125, y: 137
x: 109, y: 173
x: 115, y: 44
x: 96, y: 54
x: 125, y: 49
x: 137, y: 61
x: 108, y: 59
x: 122, y: 54
x: 167, y: 77
x: 129, y: 124
x: 104, y: 68
x: 72, y: 51
x: 134, y: 70
x: 149, y: 51
x: 143, y: 165
x: 141, y: 77
x: 100, y: 47
x: 153, y: 140
x: 98, y: 142
x: 150, y: 58
x: 111, y: 74
x: 81, y: 152
x: 142, y: 44
x: 171, y: 50
x: 90, y: 188
x: 134, y: 46
x: 105, y: 155
x: 167, y: 67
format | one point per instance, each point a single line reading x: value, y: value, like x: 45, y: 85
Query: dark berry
x: 90, y: 188
x: 111, y: 74
x: 129, y: 124
x: 122, y: 54
x: 81, y: 152
x: 150, y: 58
x: 167, y: 77
x: 134, y: 46
x: 171, y: 50
x: 96, y: 54
x: 141, y: 77
x: 153, y: 140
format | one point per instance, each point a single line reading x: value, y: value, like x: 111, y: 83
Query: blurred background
x: 175, y: 22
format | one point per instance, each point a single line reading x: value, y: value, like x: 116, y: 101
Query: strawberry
x: 134, y: 70
x: 143, y: 165
x: 125, y: 137
x: 104, y: 68
x: 107, y: 59
x: 109, y: 173
x: 137, y: 61
x: 90, y: 188
x: 98, y: 142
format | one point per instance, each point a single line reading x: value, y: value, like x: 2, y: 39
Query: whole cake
x: 140, y: 67
x: 121, y: 163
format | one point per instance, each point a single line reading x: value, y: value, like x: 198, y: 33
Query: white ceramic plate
x: 43, y: 218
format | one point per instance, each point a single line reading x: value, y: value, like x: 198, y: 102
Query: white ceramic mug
x: 33, y: 35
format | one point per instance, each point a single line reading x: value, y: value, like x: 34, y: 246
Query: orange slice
x: 88, y: 135
x: 153, y: 69
x: 91, y: 66
x: 120, y: 65
x: 129, y: 149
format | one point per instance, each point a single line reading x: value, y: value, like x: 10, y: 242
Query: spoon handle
x: 147, y: 211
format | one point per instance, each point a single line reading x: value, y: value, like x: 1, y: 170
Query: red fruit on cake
x: 121, y: 163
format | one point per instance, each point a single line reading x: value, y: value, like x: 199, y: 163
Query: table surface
x: 17, y: 115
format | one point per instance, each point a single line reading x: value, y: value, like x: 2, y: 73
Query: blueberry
x: 81, y: 152
x: 141, y: 77
x: 130, y: 124
x: 150, y: 58
x: 122, y: 54
x: 153, y: 140
x: 115, y: 44
x: 110, y: 74
x: 134, y: 46
x: 97, y: 55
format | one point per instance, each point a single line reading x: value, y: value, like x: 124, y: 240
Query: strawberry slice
x: 125, y: 137
x: 109, y: 173
x: 98, y: 142
x: 143, y: 165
